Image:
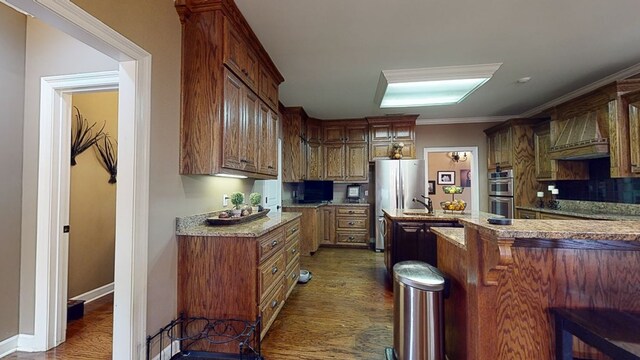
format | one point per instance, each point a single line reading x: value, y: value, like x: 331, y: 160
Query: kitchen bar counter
x: 452, y: 235
x: 508, y: 277
x: 438, y: 215
x: 583, y: 213
x: 196, y: 225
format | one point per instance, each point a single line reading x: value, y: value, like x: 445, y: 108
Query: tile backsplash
x: 600, y: 186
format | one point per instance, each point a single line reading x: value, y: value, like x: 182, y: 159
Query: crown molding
x: 620, y: 75
x: 468, y: 120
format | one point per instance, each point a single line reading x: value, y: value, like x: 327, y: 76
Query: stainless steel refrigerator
x: 398, y: 182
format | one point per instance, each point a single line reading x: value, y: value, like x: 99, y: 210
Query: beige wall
x: 48, y: 52
x: 154, y: 25
x: 12, y: 43
x: 441, y: 162
x: 92, y: 203
x: 458, y: 135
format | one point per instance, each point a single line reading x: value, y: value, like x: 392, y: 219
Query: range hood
x: 581, y: 137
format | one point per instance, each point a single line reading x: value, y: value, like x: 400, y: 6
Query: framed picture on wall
x: 465, y: 177
x: 432, y: 187
x: 446, y: 178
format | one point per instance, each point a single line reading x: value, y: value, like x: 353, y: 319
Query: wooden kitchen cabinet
x: 386, y: 130
x: 352, y: 226
x: 499, y: 145
x: 528, y: 214
x: 632, y: 102
x: 241, y: 125
x: 226, y: 77
x: 548, y: 216
x: 345, y: 151
x: 294, y: 147
x: 328, y: 225
x: 548, y: 169
x: 222, y: 277
x: 315, y: 156
x: 310, y: 227
x: 268, y: 135
x: 413, y: 240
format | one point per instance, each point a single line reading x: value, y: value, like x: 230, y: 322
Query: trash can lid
x: 419, y: 274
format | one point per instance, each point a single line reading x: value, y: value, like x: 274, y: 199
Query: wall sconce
x: 457, y: 156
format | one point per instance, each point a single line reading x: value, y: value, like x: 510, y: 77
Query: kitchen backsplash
x: 600, y: 186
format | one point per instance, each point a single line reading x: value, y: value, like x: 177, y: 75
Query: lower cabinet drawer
x: 351, y: 223
x: 293, y: 273
x: 352, y: 238
x: 270, y: 307
x: 270, y: 272
x: 291, y: 251
x: 271, y: 243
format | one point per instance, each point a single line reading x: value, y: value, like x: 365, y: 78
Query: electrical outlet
x: 225, y: 200
x: 366, y: 193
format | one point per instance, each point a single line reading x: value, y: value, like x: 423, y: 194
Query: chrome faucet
x: 428, y: 204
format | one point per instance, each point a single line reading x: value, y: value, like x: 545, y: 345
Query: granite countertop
x: 452, y: 235
x: 583, y: 213
x: 196, y: 225
x: 560, y: 229
x: 289, y: 204
x: 438, y: 215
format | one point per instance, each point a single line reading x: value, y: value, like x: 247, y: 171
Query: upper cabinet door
x: 634, y: 133
x: 333, y: 134
x: 233, y: 116
x: 249, y: 128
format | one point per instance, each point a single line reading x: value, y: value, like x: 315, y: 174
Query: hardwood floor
x: 87, y: 338
x: 344, y: 312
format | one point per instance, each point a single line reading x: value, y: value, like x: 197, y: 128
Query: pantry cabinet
x: 227, y: 81
x: 345, y: 151
x: 384, y: 131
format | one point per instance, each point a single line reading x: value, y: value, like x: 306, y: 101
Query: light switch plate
x: 225, y: 200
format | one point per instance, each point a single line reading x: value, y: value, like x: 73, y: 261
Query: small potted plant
x: 237, y: 198
x: 254, y: 199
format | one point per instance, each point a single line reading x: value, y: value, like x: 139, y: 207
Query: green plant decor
x: 254, y: 198
x: 237, y: 199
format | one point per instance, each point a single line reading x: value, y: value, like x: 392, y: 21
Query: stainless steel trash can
x: 418, y: 325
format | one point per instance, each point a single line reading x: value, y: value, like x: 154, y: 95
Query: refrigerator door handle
x: 383, y: 230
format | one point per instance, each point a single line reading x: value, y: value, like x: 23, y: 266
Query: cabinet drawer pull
x: 293, y: 251
x: 244, y: 161
x: 351, y: 223
x: 350, y: 237
x: 294, y: 275
x: 274, y: 243
x: 274, y: 303
x: 294, y: 230
x: 269, y: 167
x: 274, y: 269
x: 350, y: 211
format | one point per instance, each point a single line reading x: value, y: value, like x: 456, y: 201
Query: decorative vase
x: 255, y: 209
x: 236, y: 212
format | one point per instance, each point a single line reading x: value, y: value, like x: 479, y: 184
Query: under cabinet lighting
x: 431, y: 86
x: 231, y: 176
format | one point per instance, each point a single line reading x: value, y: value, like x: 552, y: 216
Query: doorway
x: 130, y: 275
x: 457, y: 165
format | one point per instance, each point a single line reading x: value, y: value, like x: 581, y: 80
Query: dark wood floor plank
x: 344, y: 312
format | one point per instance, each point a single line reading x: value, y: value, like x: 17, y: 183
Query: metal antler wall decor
x: 108, y: 157
x: 82, y: 138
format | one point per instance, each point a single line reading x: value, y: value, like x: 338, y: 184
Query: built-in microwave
x: 501, y: 183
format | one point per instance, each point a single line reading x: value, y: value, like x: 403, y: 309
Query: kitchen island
x: 504, y: 280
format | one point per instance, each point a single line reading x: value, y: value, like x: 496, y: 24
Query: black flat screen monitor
x: 316, y: 190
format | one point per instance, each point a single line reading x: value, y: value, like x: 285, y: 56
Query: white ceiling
x: 331, y: 52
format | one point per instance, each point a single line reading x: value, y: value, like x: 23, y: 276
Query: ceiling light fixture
x: 457, y: 156
x: 431, y: 86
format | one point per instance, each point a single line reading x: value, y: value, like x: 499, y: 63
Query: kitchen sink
x: 418, y: 213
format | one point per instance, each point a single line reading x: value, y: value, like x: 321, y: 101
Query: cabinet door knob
x: 274, y: 269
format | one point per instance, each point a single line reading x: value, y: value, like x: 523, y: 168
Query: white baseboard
x: 8, y: 346
x: 27, y: 343
x: 166, y: 353
x: 95, y: 294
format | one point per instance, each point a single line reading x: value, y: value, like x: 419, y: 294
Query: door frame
x: 475, y: 171
x: 52, y: 244
x: 132, y: 208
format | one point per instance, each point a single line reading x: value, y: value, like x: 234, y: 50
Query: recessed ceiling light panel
x: 430, y: 86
